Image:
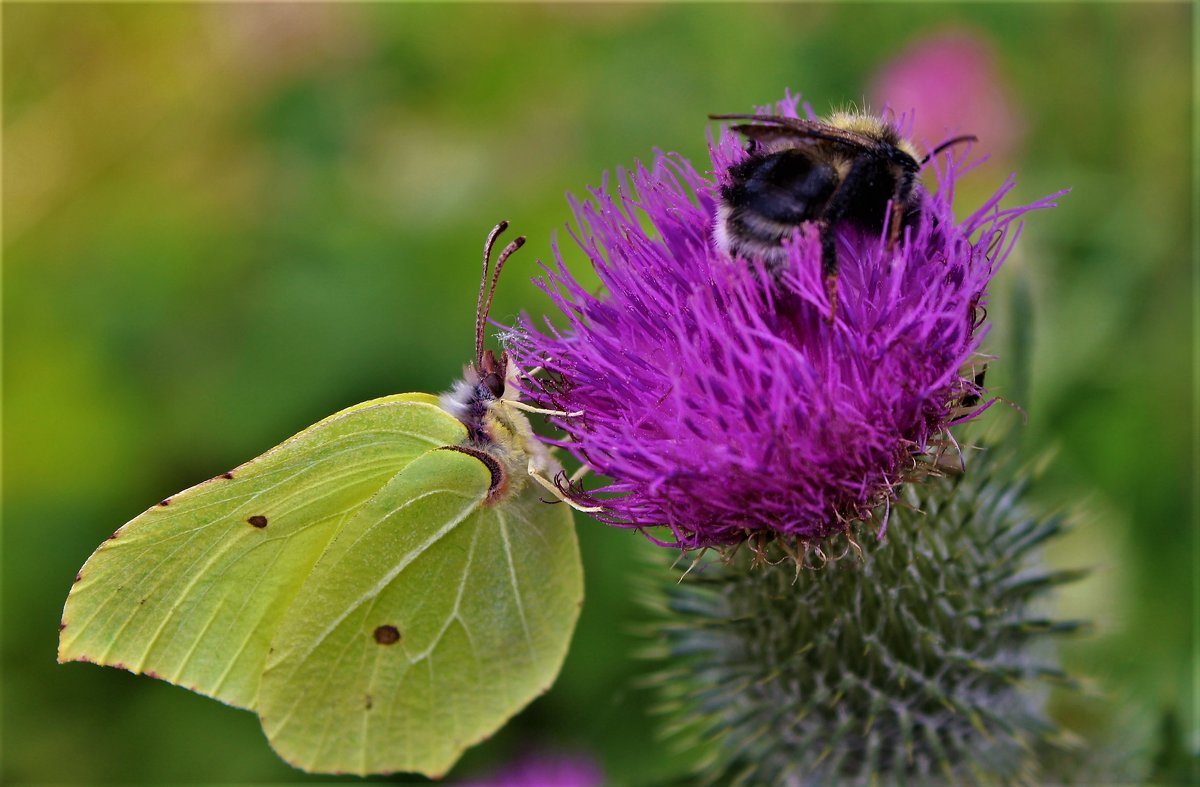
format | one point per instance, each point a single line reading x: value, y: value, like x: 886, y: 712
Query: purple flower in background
x: 719, y: 397
x: 953, y: 81
x: 546, y: 770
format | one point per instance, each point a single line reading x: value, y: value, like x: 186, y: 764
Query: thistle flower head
x: 718, y: 395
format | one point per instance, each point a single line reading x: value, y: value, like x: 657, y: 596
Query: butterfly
x: 384, y: 589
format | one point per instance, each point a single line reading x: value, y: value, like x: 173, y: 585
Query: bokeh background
x: 222, y: 222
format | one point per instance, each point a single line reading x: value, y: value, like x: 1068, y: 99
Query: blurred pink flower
x: 952, y: 82
x: 545, y: 770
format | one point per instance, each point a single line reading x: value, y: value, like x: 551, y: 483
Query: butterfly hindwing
x: 434, y: 616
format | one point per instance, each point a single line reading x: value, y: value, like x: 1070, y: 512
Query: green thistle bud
x: 926, y: 659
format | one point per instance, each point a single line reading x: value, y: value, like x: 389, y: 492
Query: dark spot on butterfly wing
x: 387, y: 635
x: 79, y: 576
x: 166, y: 501
x: 61, y: 626
x: 227, y: 476
x: 258, y: 520
x: 369, y: 702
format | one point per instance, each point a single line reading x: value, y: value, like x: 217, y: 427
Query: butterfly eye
x: 494, y: 383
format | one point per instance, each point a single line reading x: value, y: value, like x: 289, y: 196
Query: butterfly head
x: 485, y: 399
x: 484, y: 384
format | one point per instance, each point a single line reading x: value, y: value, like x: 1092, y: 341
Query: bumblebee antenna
x: 483, y: 304
x: 948, y: 143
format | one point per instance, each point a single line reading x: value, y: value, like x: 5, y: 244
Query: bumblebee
x: 844, y: 170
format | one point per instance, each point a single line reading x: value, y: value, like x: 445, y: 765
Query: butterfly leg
x: 536, y: 475
x: 531, y: 409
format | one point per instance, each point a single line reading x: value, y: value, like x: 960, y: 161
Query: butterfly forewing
x: 193, y: 590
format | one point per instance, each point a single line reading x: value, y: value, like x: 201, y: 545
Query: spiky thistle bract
x: 925, y: 659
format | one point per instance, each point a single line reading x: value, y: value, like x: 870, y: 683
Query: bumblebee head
x: 899, y: 149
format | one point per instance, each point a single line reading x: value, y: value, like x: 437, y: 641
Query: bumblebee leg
x: 860, y: 200
x: 829, y: 265
x: 895, y: 221
x: 905, y: 208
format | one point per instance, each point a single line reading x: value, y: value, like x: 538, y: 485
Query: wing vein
x: 512, y: 573
x: 457, y: 601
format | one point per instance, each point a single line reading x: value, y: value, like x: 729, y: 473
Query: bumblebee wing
x: 772, y: 128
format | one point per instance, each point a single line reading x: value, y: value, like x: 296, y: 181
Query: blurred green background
x: 223, y: 222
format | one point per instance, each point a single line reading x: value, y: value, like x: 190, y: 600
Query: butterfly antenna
x: 948, y: 143
x: 480, y: 310
x: 517, y: 243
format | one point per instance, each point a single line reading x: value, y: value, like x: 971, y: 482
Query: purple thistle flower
x: 719, y: 397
